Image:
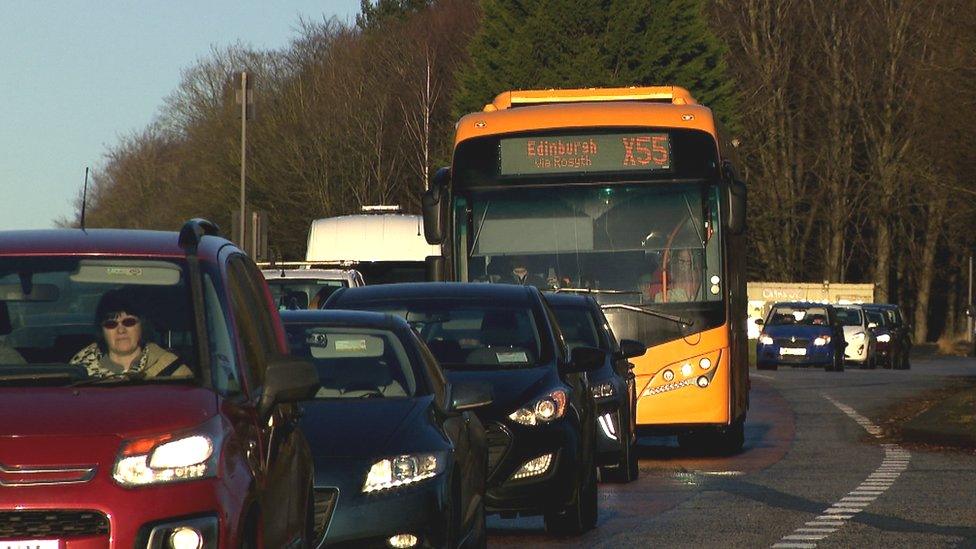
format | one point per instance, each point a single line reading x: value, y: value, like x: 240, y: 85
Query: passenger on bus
x: 522, y: 276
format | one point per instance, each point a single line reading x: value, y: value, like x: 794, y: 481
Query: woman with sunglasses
x: 122, y: 347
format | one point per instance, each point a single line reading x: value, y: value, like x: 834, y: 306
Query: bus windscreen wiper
x: 685, y: 322
x: 590, y: 291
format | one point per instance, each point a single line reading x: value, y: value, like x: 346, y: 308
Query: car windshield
x: 471, y: 335
x: 577, y: 326
x: 295, y: 294
x: 66, y: 320
x: 875, y: 316
x: 801, y: 316
x: 849, y: 316
x: 354, y: 362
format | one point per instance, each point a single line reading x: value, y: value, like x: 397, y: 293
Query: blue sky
x: 77, y: 74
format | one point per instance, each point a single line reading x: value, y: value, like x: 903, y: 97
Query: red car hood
x: 83, y: 426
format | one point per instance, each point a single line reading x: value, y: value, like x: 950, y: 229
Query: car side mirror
x: 287, y: 379
x: 468, y: 396
x: 760, y: 322
x: 584, y: 359
x: 630, y: 348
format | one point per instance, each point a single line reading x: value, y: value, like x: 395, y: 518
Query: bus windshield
x: 658, y: 245
x: 652, y: 245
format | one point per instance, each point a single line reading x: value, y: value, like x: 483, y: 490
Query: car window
x: 470, y: 334
x: 849, y: 317
x: 355, y: 362
x: 437, y: 380
x: 799, y: 315
x: 251, y: 317
x: 226, y: 378
x: 94, y: 317
x: 875, y: 316
x: 577, y: 327
x: 292, y: 294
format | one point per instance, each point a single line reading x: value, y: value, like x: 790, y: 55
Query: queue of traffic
x: 184, y: 400
x: 832, y: 336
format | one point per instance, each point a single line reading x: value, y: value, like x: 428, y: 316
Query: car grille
x: 48, y: 524
x: 498, y: 441
x: 325, y: 503
x: 787, y: 342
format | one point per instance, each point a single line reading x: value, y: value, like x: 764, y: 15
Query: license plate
x: 31, y: 544
x: 789, y: 351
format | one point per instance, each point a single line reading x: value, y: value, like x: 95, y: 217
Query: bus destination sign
x: 584, y: 153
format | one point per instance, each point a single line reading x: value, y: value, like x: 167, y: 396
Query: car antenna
x: 84, y: 199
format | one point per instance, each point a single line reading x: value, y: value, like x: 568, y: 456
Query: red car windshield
x: 66, y: 320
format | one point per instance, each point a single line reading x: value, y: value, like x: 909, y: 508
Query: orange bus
x: 626, y: 194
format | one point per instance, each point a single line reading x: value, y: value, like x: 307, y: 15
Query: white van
x: 384, y: 245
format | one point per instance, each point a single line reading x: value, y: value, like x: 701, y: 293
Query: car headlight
x: 765, y: 339
x: 544, y: 410
x: 884, y: 338
x: 820, y: 341
x: 402, y: 470
x: 603, y: 390
x: 171, y: 457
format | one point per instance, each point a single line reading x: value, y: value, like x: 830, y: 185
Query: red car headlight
x: 169, y: 457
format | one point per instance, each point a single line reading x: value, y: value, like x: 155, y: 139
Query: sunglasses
x: 128, y: 322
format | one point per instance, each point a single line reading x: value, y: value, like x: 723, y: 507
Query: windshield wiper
x: 685, y: 322
x: 590, y: 291
x: 120, y: 377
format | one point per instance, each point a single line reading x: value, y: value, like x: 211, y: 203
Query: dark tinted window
x: 577, y: 326
x: 470, y: 334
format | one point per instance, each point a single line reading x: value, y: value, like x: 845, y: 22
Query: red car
x: 146, y: 396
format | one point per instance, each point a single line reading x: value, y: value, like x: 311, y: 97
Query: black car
x: 540, y: 426
x: 892, y: 333
x: 583, y: 324
x: 399, y: 461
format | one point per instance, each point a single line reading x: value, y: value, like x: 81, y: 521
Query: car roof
x: 343, y: 318
x: 568, y: 299
x: 307, y: 274
x: 507, y: 293
x: 78, y: 242
x: 801, y: 304
x: 880, y: 306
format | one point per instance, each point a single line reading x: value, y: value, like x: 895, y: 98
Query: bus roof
x: 516, y: 111
x: 369, y: 237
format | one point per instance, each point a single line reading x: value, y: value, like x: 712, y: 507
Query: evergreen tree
x: 526, y: 44
x: 372, y: 15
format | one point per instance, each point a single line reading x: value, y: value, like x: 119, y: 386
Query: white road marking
x: 895, y: 462
x: 760, y: 376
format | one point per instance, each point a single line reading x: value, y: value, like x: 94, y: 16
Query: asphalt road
x: 813, y: 473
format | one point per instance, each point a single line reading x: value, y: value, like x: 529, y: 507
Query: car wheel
x: 453, y: 515
x: 626, y: 468
x: 905, y: 363
x: 579, y: 516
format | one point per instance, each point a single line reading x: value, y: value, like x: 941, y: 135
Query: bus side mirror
x: 434, y: 265
x: 434, y: 205
x: 735, y: 219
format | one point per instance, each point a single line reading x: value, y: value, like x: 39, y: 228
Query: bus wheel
x: 732, y: 439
